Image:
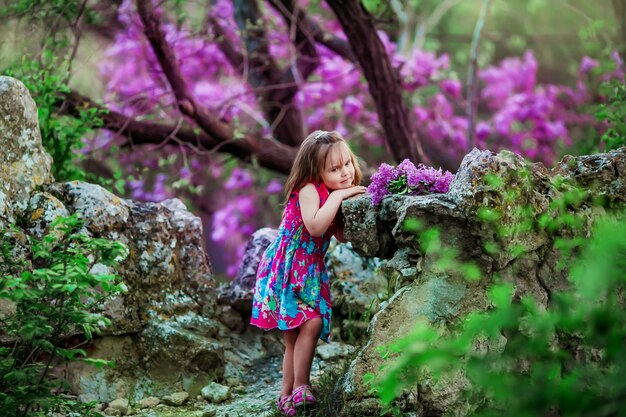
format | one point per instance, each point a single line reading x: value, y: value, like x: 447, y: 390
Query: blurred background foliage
x: 542, y: 73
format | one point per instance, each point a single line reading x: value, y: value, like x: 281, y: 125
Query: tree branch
x: 335, y: 44
x: 382, y: 79
x: 221, y: 39
x: 307, y: 58
x: 269, y: 153
x: 108, y: 23
x: 277, y: 104
x: 167, y: 60
x: 311, y: 29
x: 472, y: 86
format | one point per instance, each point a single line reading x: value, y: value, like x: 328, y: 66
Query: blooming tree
x: 248, y: 80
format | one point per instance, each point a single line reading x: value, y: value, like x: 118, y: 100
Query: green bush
x: 62, y: 134
x: 614, y: 114
x: 565, y: 360
x: 48, y: 300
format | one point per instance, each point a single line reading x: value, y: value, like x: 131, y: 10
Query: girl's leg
x: 304, y: 350
x: 290, y: 337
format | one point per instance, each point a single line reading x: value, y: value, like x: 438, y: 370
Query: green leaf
x: 99, y: 363
x: 413, y: 224
x: 470, y: 271
x: 500, y: 295
x: 488, y: 214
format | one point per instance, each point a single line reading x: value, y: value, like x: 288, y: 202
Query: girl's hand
x: 351, y: 192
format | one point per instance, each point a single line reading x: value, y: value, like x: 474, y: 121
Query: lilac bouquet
x: 406, y: 178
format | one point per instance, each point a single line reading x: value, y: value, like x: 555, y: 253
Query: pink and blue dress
x: 292, y: 284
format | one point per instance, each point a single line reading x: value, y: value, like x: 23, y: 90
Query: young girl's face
x: 338, y: 170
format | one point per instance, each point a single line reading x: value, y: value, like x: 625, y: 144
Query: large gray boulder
x: 25, y: 164
x: 238, y: 293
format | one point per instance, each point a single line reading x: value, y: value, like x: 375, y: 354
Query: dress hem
x: 267, y: 329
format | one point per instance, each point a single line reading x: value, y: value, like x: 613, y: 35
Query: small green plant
x: 53, y: 299
x: 46, y: 72
x: 614, y: 114
x: 62, y: 134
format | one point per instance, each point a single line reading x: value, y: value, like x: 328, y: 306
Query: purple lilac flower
x: 419, y: 180
x: 618, y: 73
x: 451, y: 88
x: 421, y: 114
x: 239, y: 179
x: 378, y: 187
x: 246, y: 206
x: 352, y: 107
x: 406, y: 168
x: 587, y: 64
x: 274, y: 187
x: 185, y: 173
x: 482, y: 132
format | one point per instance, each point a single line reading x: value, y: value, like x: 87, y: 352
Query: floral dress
x: 292, y: 284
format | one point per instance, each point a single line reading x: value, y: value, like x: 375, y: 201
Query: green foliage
x: 61, y: 133
x: 613, y: 112
x: 49, y: 12
x: 46, y: 75
x: 566, y: 359
x: 372, y: 6
x: 519, y: 358
x: 52, y: 299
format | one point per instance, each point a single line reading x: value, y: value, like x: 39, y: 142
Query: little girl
x: 292, y: 289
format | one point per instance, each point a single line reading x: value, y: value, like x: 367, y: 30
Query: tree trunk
x: 279, y: 86
x: 382, y: 79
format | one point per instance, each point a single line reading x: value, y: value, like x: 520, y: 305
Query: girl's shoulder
x: 314, y: 187
x: 309, y: 186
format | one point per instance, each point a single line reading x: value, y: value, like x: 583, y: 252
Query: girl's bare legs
x: 304, y: 350
x: 290, y: 342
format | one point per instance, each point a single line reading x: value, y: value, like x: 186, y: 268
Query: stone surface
x: 166, y: 271
x: 43, y: 209
x: 231, y: 318
x: 334, y: 350
x: 25, y: 165
x: 357, y: 283
x: 488, y: 194
x: 120, y: 404
x: 238, y: 293
x: 109, y: 411
x: 216, y: 393
x: 176, y: 399
x: 149, y: 402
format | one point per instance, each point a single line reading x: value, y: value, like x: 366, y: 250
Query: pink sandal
x: 285, y: 405
x: 302, y: 396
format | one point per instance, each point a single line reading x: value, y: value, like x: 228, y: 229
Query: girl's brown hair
x: 311, y: 158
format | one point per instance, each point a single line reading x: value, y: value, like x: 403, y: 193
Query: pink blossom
x: 587, y: 64
x: 239, y: 179
x: 274, y: 187
x: 451, y: 88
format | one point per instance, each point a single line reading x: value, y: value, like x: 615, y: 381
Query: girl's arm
x: 317, y: 219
